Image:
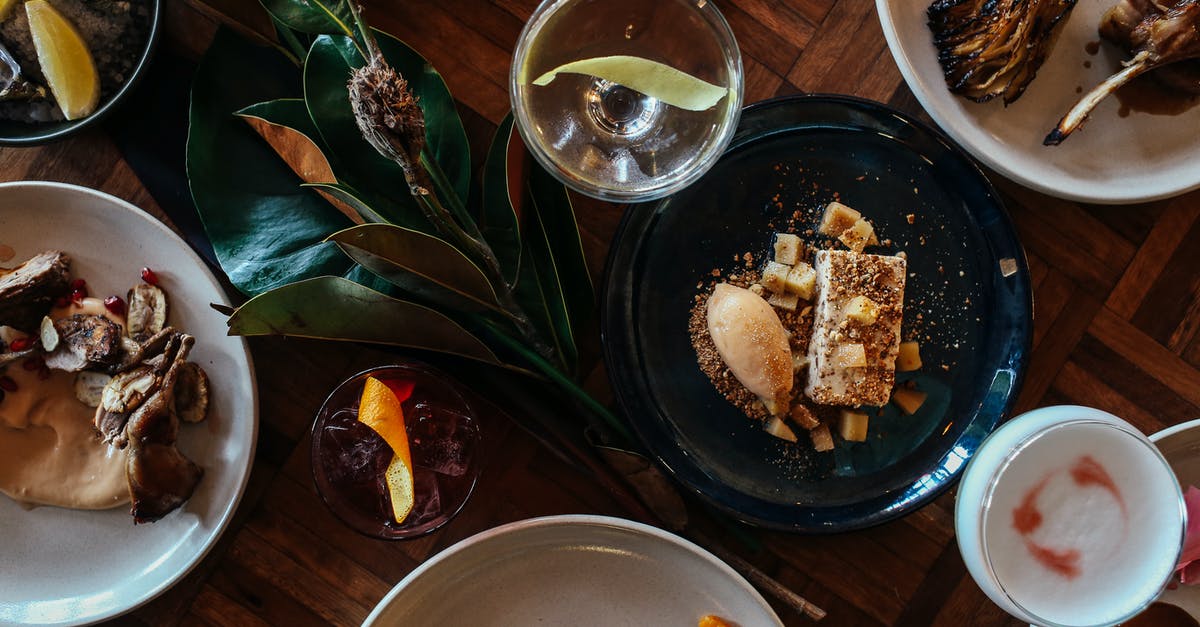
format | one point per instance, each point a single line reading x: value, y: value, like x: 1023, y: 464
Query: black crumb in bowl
x: 967, y: 280
x: 120, y: 67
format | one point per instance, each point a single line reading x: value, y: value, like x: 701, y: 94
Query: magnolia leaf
x: 348, y: 195
x: 326, y: 70
x: 420, y: 263
x: 266, y: 230
x: 285, y: 125
x: 540, y: 295
x: 498, y: 220
x: 554, y: 212
x: 313, y: 16
x: 334, y: 308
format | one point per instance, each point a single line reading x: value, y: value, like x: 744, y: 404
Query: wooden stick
x: 761, y: 580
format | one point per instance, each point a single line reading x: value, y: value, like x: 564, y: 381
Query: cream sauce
x: 49, y: 452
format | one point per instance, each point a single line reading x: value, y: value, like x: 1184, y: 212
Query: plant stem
x: 561, y: 380
x: 442, y: 184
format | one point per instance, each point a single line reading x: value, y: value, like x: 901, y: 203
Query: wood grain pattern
x: 1117, y: 326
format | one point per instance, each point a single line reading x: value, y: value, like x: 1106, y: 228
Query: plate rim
x: 565, y: 520
x: 924, y: 95
x: 227, y: 513
x: 895, y: 510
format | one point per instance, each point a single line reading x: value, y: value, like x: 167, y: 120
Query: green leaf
x: 498, y: 218
x: 552, y: 208
x: 326, y: 71
x: 348, y: 195
x: 334, y: 308
x: 421, y: 264
x: 313, y: 16
x: 265, y: 229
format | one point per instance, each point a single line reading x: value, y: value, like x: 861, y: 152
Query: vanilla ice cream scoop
x: 752, y: 343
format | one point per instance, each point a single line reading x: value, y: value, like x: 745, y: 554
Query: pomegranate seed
x: 62, y: 301
x: 44, y: 373
x: 7, y: 384
x: 78, y: 295
x: 149, y: 276
x: 78, y: 284
x: 33, y: 363
x: 19, y: 344
x: 115, y: 304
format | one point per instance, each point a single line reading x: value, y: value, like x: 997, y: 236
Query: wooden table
x: 1117, y: 326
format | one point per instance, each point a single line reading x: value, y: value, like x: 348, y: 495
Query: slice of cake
x: 856, y: 328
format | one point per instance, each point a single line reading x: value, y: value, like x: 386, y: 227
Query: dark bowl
x: 967, y: 279
x: 34, y: 134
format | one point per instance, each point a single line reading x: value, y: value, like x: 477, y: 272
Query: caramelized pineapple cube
x: 850, y: 356
x: 821, y: 439
x: 774, y: 276
x: 837, y: 218
x: 908, y: 400
x: 802, y: 280
x: 804, y: 417
x: 784, y: 300
x: 758, y: 290
x: 909, y: 357
x: 853, y: 425
x: 862, y: 310
x: 857, y: 236
x: 787, y: 248
x: 779, y: 429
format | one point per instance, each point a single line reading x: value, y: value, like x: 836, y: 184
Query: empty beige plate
x: 572, y: 570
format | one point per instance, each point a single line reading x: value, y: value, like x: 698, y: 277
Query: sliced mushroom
x: 89, y: 387
x: 147, y: 311
x: 191, y: 393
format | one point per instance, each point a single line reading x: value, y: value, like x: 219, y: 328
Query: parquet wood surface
x: 1117, y: 326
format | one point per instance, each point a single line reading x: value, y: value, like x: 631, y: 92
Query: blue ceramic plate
x: 967, y: 280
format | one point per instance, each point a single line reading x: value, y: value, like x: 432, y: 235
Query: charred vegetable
x: 191, y: 393
x: 147, y: 311
x: 1164, y: 35
x: 990, y: 48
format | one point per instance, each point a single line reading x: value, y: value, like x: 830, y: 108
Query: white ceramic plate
x: 68, y: 567
x: 572, y: 570
x: 1181, y: 446
x: 1111, y: 160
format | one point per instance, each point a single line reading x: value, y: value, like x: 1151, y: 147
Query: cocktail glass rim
x: 314, y: 447
x: 670, y: 185
x: 989, y: 491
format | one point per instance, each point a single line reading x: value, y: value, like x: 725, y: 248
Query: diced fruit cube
x: 821, y: 439
x: 857, y: 236
x: 862, y: 310
x: 908, y: 400
x: 799, y: 360
x: 784, y: 300
x: 853, y: 426
x: 838, y: 218
x: 909, y: 357
x: 774, y: 276
x: 757, y: 289
x: 850, y: 356
x: 804, y: 417
x: 787, y: 248
x: 802, y: 280
x: 779, y: 429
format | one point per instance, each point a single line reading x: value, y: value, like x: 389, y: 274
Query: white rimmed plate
x: 1113, y: 160
x: 1180, y: 444
x: 69, y: 567
x: 572, y: 570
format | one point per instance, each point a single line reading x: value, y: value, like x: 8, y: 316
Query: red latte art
x: 1027, y: 518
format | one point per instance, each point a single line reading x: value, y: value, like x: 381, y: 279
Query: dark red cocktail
x: 349, y: 458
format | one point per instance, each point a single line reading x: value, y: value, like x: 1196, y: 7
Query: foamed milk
x: 1069, y: 516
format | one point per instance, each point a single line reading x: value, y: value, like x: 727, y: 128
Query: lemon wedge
x: 380, y: 409
x: 65, y: 60
x: 657, y: 80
